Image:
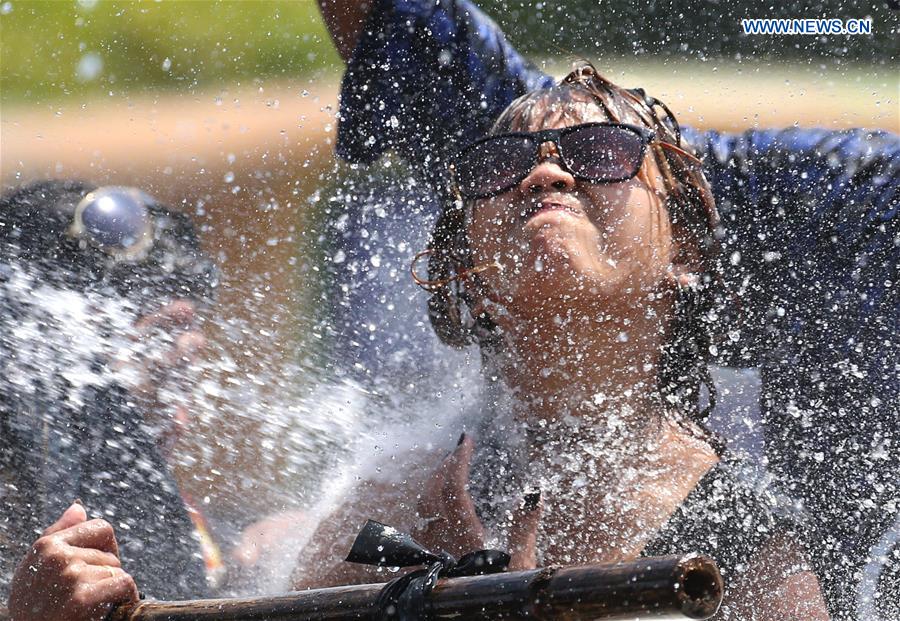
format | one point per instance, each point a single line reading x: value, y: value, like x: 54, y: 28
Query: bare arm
x: 321, y: 562
x: 779, y: 586
x: 345, y: 20
x: 435, y: 508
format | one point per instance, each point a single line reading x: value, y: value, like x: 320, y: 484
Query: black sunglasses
x: 596, y: 152
x: 117, y: 220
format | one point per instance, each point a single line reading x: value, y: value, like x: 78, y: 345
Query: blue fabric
x: 426, y: 78
x: 811, y: 234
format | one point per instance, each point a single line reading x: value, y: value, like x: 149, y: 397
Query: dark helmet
x: 115, y: 240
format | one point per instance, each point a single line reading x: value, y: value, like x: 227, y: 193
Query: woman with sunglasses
x: 807, y: 244
x: 580, y: 255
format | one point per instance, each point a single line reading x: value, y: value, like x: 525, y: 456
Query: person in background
x: 99, y: 294
x: 808, y: 226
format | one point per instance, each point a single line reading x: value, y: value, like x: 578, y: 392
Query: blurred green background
x: 66, y: 48
x: 700, y: 29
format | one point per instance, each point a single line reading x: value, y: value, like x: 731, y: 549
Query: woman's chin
x: 561, y: 289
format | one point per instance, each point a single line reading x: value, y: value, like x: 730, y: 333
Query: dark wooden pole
x: 672, y: 587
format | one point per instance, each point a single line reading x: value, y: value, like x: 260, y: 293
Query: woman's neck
x: 598, y: 437
x: 582, y: 363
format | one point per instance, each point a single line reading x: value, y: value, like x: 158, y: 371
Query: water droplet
x: 89, y: 67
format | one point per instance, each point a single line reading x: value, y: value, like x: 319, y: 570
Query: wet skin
x: 584, y: 269
x: 565, y: 241
x: 72, y: 573
x: 603, y: 250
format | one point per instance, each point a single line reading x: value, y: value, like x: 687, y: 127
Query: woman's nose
x: 547, y: 174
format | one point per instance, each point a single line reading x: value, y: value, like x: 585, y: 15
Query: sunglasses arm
x: 680, y: 151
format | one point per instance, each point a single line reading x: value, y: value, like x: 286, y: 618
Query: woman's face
x: 565, y: 244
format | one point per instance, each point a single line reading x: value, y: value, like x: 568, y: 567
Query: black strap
x: 403, y: 598
x: 406, y: 598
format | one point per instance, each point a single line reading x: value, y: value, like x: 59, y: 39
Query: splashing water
x: 60, y: 347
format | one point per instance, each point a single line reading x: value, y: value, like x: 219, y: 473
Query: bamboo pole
x: 667, y: 587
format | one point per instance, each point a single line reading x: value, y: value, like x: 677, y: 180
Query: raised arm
x: 345, y: 20
x: 809, y: 219
x: 424, y: 77
x: 806, y: 212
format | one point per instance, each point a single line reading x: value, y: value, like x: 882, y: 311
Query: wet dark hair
x: 691, y: 208
x: 34, y: 223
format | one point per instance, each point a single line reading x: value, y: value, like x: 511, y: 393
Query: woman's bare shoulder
x: 779, y: 585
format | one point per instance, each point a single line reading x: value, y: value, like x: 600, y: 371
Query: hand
x: 72, y: 573
x: 265, y: 538
x: 345, y: 20
x: 449, y: 520
x: 177, y: 315
x: 177, y: 319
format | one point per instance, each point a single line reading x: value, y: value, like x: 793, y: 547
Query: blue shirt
x: 812, y: 237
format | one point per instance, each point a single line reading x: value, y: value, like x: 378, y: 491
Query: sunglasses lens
x: 494, y: 165
x: 603, y: 153
x: 116, y: 218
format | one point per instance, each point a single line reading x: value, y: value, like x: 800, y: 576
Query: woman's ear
x: 687, y: 259
x: 484, y: 307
